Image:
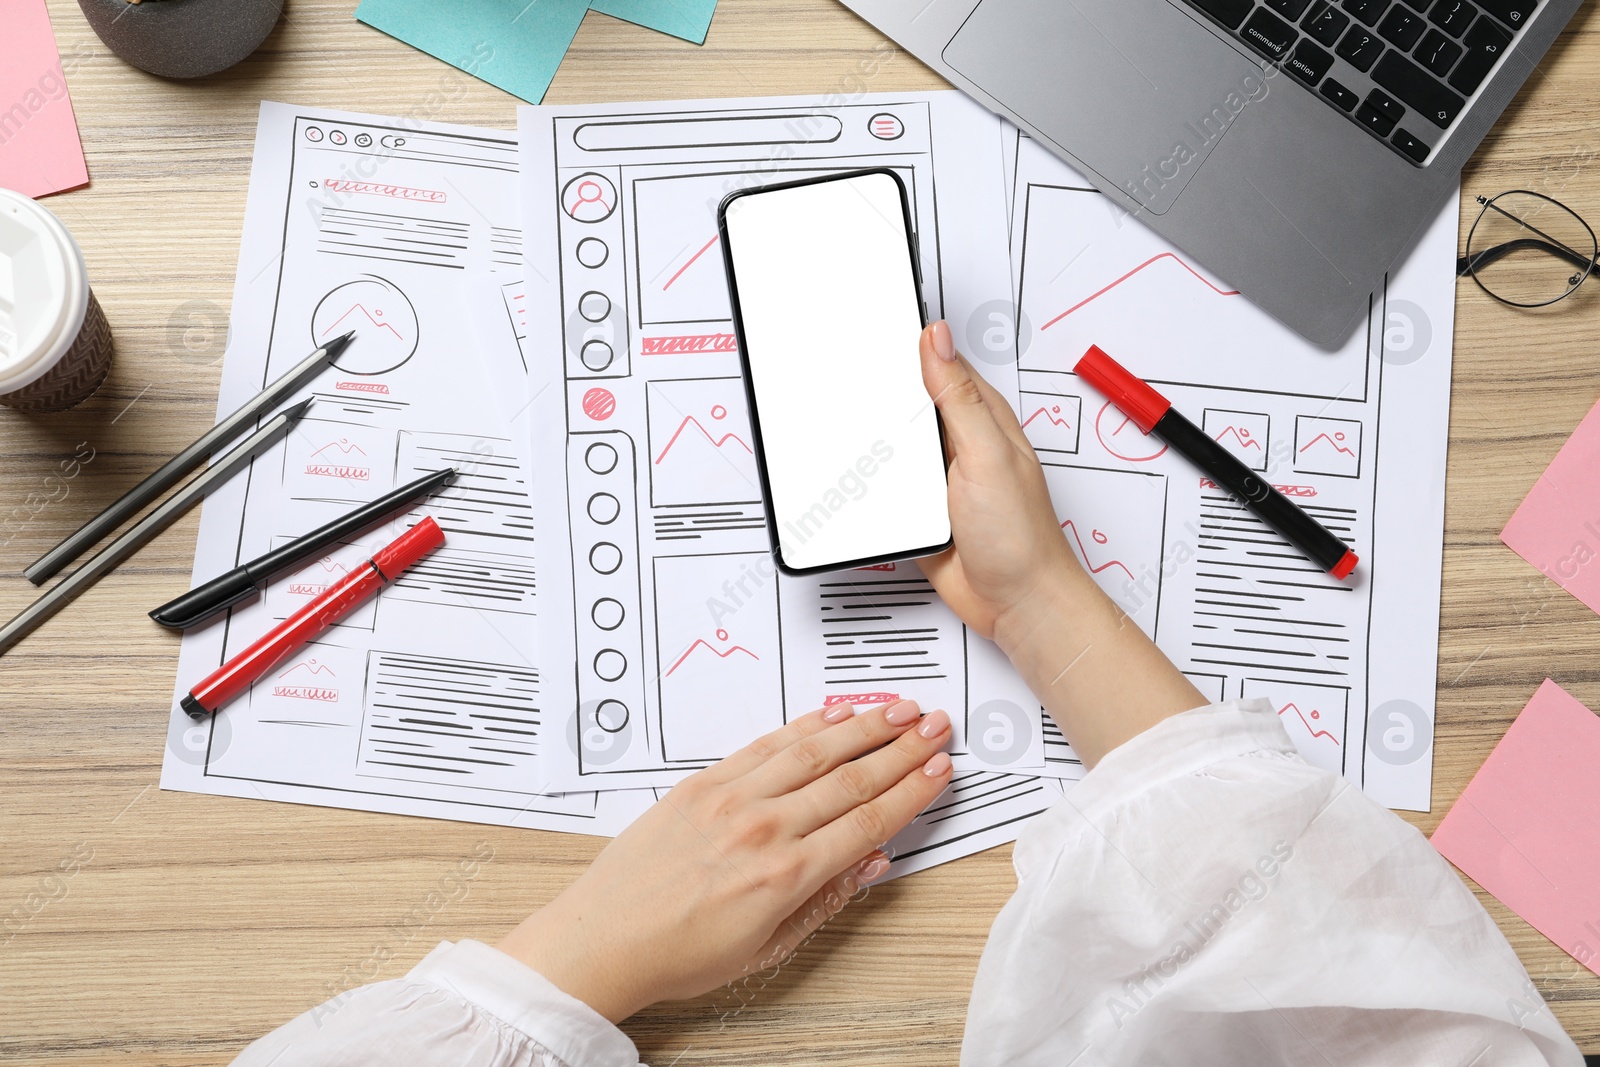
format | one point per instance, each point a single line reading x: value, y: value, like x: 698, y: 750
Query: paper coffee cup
x: 55, y: 345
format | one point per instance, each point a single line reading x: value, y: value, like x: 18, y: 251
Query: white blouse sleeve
x: 1206, y: 897
x: 464, y: 1005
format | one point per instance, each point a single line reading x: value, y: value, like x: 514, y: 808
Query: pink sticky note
x: 39, y: 148
x: 1527, y: 828
x: 1557, y: 528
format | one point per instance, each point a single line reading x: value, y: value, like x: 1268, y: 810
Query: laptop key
x: 1385, y: 105
x: 1268, y: 34
x: 1309, y: 63
x: 1359, y: 48
x: 1437, y: 53
x: 1228, y: 12
x: 1325, y: 24
x: 1374, y: 120
x: 1402, y: 28
x: 1513, y: 13
x: 1486, y: 42
x: 1418, y: 89
x: 1341, y: 98
x: 1410, y: 145
x: 1368, y: 11
x: 1289, y: 9
x: 1451, y: 16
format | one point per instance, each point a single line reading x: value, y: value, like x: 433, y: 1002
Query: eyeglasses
x: 1528, y: 250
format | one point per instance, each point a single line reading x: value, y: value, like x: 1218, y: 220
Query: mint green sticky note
x: 514, y: 44
x: 689, y: 19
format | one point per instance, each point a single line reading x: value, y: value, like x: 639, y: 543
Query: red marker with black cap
x: 305, y: 625
x: 1153, y: 413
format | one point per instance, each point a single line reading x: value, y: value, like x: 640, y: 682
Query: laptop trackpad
x: 1136, y: 89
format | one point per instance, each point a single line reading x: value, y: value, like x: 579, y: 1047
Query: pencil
x: 178, y: 467
x: 140, y: 534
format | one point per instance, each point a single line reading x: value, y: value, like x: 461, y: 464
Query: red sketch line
x: 718, y: 441
x: 1312, y: 730
x: 1131, y: 273
x: 1286, y: 490
x: 1069, y: 526
x: 700, y: 642
x: 1042, y: 411
x: 1243, y: 443
x: 368, y: 314
x: 399, y: 192
x: 859, y: 699
x: 1324, y: 437
x: 310, y: 666
x: 343, y: 445
x: 689, y: 264
x: 690, y: 344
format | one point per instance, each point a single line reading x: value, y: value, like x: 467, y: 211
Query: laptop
x: 1296, y: 148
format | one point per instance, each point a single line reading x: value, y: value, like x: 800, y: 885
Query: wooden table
x: 189, y: 925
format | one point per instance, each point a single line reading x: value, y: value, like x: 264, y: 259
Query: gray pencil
x: 179, y: 466
x: 148, y: 527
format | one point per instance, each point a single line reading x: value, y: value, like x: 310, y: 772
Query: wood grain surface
x: 164, y: 928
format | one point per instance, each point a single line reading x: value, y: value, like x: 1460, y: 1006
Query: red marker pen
x: 1153, y: 413
x: 305, y: 625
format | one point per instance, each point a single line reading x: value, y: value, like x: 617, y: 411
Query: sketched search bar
x: 721, y: 132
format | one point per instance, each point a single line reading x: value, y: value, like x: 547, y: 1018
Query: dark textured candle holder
x: 183, y: 38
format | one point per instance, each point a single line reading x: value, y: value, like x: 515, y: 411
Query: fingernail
x: 839, y: 713
x: 872, y: 867
x: 903, y: 713
x: 943, y: 345
x: 934, y: 725
x: 938, y: 766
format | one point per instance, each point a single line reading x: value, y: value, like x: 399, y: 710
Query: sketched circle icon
x: 195, y: 743
x: 383, y: 318
x: 599, y: 404
x: 886, y: 126
x: 589, y: 197
x: 601, y: 732
x: 1121, y: 436
x: 998, y: 732
x: 1398, y: 732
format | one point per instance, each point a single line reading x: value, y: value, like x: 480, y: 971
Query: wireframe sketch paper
x: 1557, y: 527
x: 1357, y: 437
x: 429, y: 699
x: 686, y: 642
x: 1524, y: 828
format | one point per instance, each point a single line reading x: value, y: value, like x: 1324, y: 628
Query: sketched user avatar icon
x: 589, y: 197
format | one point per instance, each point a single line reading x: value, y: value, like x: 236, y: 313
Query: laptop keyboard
x: 1402, y: 69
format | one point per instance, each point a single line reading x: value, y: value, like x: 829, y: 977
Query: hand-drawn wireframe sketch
x: 1226, y: 597
x: 430, y: 699
x: 643, y: 411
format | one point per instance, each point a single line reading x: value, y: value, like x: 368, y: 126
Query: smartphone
x: 828, y: 311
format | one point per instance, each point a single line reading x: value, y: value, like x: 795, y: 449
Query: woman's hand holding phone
x: 1012, y: 577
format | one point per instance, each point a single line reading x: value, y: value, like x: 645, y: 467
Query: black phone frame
x: 749, y: 384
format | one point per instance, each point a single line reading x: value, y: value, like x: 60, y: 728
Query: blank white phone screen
x: 831, y: 316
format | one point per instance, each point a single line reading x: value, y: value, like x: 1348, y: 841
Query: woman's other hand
x: 738, y: 864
